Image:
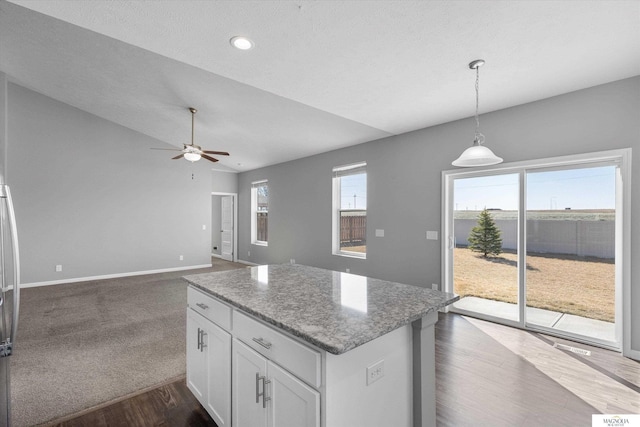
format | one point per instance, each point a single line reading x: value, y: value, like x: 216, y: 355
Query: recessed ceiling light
x: 241, y: 42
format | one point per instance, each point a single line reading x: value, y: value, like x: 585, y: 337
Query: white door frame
x: 235, y: 221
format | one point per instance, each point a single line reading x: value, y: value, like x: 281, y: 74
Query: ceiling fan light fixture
x: 192, y: 152
x: 477, y: 154
x: 192, y: 157
x: 241, y: 42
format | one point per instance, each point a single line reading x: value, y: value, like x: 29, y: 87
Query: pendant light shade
x: 477, y: 154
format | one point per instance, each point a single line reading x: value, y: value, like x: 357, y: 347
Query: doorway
x: 540, y: 245
x: 224, y: 234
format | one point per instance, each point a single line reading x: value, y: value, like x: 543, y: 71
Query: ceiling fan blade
x: 211, y: 159
x: 220, y: 153
x: 168, y: 149
x: 178, y: 157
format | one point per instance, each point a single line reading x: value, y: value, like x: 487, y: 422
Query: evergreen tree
x: 485, y: 237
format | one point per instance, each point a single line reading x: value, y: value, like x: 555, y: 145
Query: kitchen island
x: 284, y: 345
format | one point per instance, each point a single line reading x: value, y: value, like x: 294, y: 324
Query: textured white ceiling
x: 323, y: 74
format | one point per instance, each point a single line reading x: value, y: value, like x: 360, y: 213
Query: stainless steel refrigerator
x: 10, y: 298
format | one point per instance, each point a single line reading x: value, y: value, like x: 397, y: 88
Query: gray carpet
x: 80, y: 345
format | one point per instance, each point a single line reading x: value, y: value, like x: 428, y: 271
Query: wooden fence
x: 261, y: 226
x: 353, y: 227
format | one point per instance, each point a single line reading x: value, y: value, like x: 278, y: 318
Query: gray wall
x: 90, y: 195
x: 224, y: 182
x: 404, y: 183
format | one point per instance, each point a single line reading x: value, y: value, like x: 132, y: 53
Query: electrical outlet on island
x: 375, y: 372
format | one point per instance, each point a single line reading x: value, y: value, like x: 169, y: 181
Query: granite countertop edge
x: 309, y: 338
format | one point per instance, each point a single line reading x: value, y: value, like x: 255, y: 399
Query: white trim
x: 593, y: 157
x: 348, y: 254
x: 625, y: 176
x: 254, y: 211
x: 224, y: 170
x: 111, y: 276
x: 352, y: 169
x: 234, y: 258
x: 631, y: 354
x: 336, y: 189
x: 241, y: 261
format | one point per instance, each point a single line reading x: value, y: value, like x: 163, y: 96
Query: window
x: 259, y: 212
x: 350, y: 210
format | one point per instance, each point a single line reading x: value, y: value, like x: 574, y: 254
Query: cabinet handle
x: 199, y: 343
x: 258, y: 394
x: 202, y: 344
x: 265, y: 399
x: 202, y: 306
x: 265, y: 381
x: 262, y: 342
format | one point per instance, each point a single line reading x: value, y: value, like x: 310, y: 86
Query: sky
x: 353, y: 185
x: 584, y: 188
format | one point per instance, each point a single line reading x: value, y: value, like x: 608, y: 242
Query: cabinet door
x: 217, y: 348
x: 248, y: 405
x: 292, y: 402
x: 196, y: 358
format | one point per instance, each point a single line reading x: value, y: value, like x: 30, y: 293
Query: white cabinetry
x: 209, y: 362
x: 247, y: 373
x: 265, y: 395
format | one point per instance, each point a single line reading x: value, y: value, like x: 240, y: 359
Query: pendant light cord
x: 479, y: 136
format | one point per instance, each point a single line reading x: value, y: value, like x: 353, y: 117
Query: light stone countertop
x: 332, y: 310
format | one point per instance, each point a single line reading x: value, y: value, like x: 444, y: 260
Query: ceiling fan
x: 192, y: 152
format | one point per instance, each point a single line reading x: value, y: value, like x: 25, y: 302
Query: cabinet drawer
x: 295, y: 357
x: 210, y: 308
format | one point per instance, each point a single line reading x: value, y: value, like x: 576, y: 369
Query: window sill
x: 351, y: 255
x: 258, y: 243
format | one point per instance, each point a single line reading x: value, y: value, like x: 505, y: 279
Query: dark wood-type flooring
x: 487, y: 375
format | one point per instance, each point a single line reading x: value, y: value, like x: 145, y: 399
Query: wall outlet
x: 204, y: 226
x: 375, y: 372
x: 432, y: 235
x: 292, y: 261
x: 379, y: 233
x: 59, y: 268
x: 248, y: 253
x: 434, y: 286
x: 181, y: 258
x: 348, y: 270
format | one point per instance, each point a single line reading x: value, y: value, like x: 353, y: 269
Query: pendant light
x: 477, y: 154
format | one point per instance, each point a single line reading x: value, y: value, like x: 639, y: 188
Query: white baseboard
x: 631, y: 354
x: 216, y: 255
x: 111, y: 276
x: 241, y: 261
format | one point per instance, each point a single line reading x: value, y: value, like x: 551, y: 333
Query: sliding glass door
x: 538, y: 245
x: 570, y: 241
x: 485, y: 257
